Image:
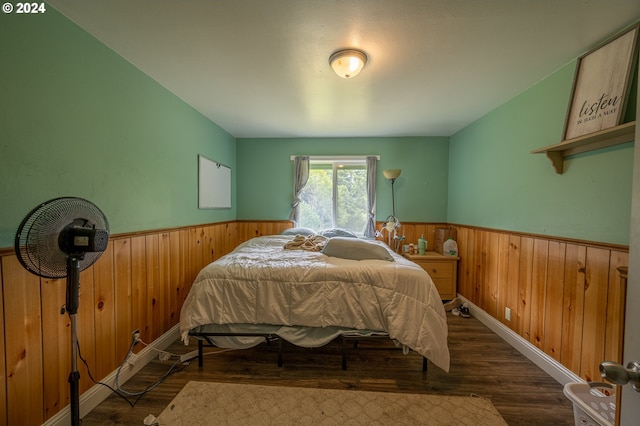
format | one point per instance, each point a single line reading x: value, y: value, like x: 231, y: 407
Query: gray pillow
x: 356, y: 249
x: 337, y: 232
x: 298, y: 231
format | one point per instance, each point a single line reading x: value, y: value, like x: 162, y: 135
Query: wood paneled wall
x: 566, y: 298
x: 139, y: 282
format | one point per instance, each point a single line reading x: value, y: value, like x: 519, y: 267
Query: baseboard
x: 96, y: 394
x: 550, y: 366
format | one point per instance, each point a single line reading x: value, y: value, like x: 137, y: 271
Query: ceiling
x: 259, y: 68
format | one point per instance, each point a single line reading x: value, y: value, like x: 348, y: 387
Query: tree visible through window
x: 335, y: 196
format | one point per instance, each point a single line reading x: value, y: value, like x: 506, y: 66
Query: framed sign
x: 601, y: 86
x: 214, y: 184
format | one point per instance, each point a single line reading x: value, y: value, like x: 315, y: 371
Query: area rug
x: 207, y: 403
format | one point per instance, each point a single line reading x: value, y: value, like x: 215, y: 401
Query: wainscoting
x: 139, y: 282
x: 566, y: 298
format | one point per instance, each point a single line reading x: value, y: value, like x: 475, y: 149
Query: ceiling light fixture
x: 348, y: 63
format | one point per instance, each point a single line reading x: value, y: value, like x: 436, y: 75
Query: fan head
x: 57, y: 229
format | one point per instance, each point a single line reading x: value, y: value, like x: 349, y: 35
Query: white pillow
x: 356, y: 249
x: 337, y: 232
x: 298, y: 231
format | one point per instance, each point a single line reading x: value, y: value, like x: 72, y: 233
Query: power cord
x: 118, y: 390
x: 171, y: 370
x: 164, y: 356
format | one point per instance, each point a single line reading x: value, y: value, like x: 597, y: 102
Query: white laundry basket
x: 594, y: 403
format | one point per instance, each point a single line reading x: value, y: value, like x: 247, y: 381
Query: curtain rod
x: 335, y: 157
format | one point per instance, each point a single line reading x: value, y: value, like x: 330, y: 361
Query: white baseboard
x: 98, y: 393
x: 550, y: 366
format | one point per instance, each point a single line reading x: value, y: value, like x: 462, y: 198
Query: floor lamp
x: 392, y: 223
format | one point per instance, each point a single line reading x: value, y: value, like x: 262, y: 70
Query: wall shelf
x: 602, y: 139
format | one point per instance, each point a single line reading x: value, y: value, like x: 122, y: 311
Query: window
x: 335, y: 195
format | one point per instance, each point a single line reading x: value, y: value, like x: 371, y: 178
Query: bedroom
x: 84, y: 120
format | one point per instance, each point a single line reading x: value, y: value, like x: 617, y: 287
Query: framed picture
x: 601, y: 86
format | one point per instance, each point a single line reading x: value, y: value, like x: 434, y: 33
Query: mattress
x: 262, y: 283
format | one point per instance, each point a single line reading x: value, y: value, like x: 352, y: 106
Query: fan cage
x: 36, y: 243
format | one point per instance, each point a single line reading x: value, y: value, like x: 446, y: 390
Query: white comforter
x: 262, y: 283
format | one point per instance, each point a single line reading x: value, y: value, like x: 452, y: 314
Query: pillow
x: 356, y: 249
x: 337, y: 232
x: 298, y: 231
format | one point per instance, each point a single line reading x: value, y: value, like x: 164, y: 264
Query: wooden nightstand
x: 442, y: 269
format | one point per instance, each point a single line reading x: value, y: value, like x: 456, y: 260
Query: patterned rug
x: 207, y: 403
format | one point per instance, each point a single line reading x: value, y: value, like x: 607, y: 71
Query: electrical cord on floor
x: 118, y: 390
x: 124, y: 394
x: 154, y: 385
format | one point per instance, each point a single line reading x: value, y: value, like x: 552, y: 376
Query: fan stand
x: 72, y: 302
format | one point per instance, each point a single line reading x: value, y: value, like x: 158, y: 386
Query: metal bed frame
x: 270, y: 337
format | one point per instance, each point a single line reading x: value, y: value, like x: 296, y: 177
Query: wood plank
x: 56, y: 344
x: 193, y: 254
x: 553, y: 300
x: 164, y: 282
x: 177, y: 277
x: 464, y: 282
x: 525, y: 287
x: 122, y: 296
x: 86, y: 329
x: 502, y: 282
x: 595, y: 311
x: 513, y: 279
x: 185, y: 277
x: 23, y: 344
x: 573, y: 306
x: 538, y: 291
x: 3, y: 371
x: 231, y: 230
x: 139, y: 296
x: 490, y: 251
x: 478, y: 282
x: 104, y: 312
x: 480, y: 266
x: 616, y: 300
x: 153, y: 287
x: 470, y: 266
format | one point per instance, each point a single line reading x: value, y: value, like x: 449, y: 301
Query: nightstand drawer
x: 437, y: 269
x: 446, y: 288
x: 443, y: 270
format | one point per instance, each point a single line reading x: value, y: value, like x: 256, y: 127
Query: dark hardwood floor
x: 481, y: 363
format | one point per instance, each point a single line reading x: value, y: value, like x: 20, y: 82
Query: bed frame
x: 269, y: 338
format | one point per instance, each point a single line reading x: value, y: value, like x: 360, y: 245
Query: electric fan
x: 60, y: 238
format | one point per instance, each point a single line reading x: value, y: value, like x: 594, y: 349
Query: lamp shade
x: 391, y: 173
x: 348, y: 63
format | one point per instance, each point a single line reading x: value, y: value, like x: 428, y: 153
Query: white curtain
x: 300, y: 178
x: 370, y: 230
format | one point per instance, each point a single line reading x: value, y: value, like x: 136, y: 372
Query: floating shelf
x: 602, y: 139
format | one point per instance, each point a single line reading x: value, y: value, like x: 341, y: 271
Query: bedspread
x: 262, y: 283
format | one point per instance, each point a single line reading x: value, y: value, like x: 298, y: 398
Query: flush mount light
x: 348, y: 63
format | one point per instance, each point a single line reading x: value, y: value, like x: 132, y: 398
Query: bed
x: 342, y: 287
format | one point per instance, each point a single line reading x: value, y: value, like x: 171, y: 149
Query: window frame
x: 335, y: 161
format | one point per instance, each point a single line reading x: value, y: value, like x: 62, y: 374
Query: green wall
x: 265, y: 174
x: 76, y: 119
x: 495, y: 182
